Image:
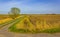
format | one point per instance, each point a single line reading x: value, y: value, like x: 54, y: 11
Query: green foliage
x: 13, y: 29
x: 53, y: 30
x: 15, y: 12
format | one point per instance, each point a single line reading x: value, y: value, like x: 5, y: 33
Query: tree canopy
x: 15, y: 12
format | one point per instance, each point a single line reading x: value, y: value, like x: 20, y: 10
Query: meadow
x: 4, y: 19
x: 32, y: 23
x: 37, y: 23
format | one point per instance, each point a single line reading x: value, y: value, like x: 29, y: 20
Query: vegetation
x: 37, y: 24
x: 15, y: 12
x: 8, y: 22
x: 43, y: 23
x: 5, y: 20
x: 32, y: 23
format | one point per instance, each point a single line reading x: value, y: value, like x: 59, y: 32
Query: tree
x: 15, y: 12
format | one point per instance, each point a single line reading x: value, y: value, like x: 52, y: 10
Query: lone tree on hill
x: 15, y: 12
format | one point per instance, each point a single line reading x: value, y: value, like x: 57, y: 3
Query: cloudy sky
x: 31, y: 6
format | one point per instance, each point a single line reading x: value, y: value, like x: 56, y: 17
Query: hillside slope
x: 38, y: 23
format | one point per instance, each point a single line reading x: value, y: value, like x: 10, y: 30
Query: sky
x: 31, y: 6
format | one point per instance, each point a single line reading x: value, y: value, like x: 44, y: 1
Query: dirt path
x: 29, y: 35
x: 4, y: 30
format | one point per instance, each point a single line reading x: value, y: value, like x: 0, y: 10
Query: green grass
x: 53, y: 30
x: 13, y: 29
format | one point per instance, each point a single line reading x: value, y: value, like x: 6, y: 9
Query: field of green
x: 34, y: 23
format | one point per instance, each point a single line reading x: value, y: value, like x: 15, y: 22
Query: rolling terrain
x: 37, y: 24
x: 31, y: 25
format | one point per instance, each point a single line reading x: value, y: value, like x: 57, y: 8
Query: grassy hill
x: 37, y: 23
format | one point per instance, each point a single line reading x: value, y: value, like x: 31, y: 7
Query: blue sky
x: 31, y: 6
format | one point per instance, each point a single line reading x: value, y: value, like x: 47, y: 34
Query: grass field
x: 4, y: 18
x: 43, y: 23
x: 33, y: 23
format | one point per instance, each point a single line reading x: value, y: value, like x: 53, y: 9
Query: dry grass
x: 39, y: 22
x: 4, y: 18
